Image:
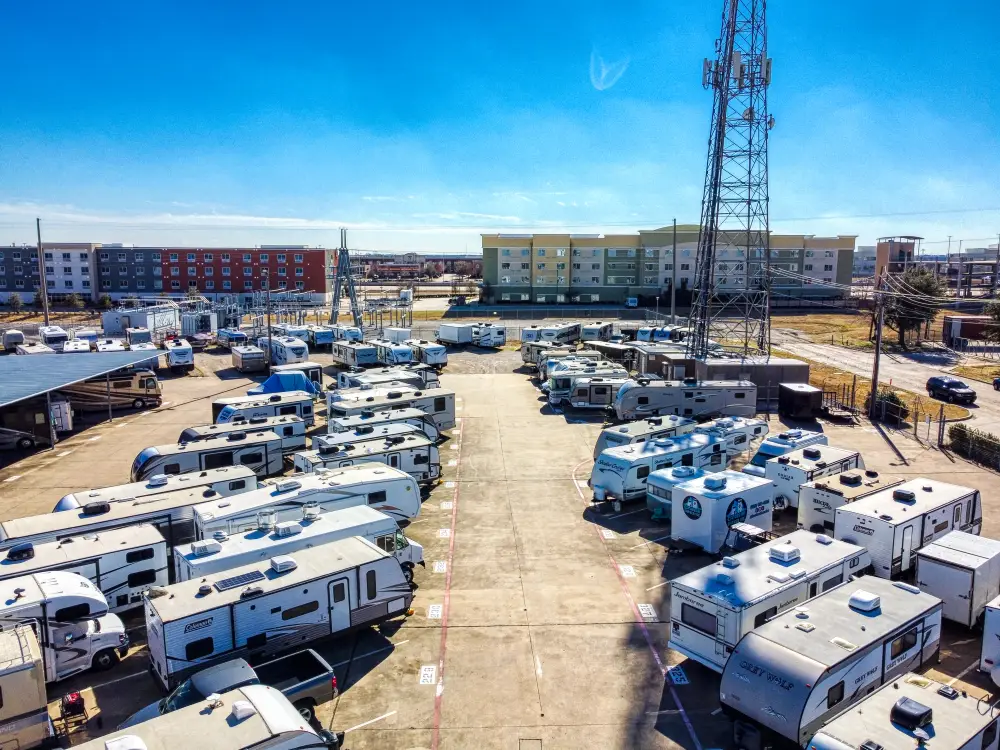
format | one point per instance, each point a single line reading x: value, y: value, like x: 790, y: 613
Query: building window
x: 540, y: 266
x: 209, y: 271
x: 264, y: 257
x: 263, y: 283
x: 85, y: 284
x: 157, y: 284
x: 264, y: 271
x: 505, y: 252
x: 209, y: 285
x: 227, y: 284
x: 301, y: 272
x: 525, y: 266
x: 84, y: 256
x: 19, y: 283
x: 225, y: 257
x: 137, y: 257
x: 595, y: 279
x: 50, y: 269
x: 208, y: 257
x: 123, y: 284
x: 827, y: 268
x: 66, y: 256
x: 282, y: 271
x: 298, y: 257
x: 192, y: 271
x: 175, y: 284
x: 193, y: 285
x: 157, y: 271
x: 505, y: 266
x: 140, y: 284
x: 18, y: 269
x: 685, y: 266
x: 247, y: 271
x: 122, y: 257
x: 67, y: 284
x: 175, y: 271
x: 155, y: 257
x: 280, y: 257
x: 248, y: 285
x: 561, y: 252
x: 300, y: 285
x: 104, y: 256
x: 247, y: 257
x: 123, y: 270
x: 282, y: 285
x: 51, y: 283
x: 225, y: 270
x: 173, y: 257
x: 105, y: 283
x: 541, y: 252
x: 190, y: 257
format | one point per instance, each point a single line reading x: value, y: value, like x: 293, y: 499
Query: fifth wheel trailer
x: 790, y: 676
x: 963, y: 571
x: 261, y: 451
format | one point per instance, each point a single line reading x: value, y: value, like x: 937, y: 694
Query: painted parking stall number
x: 444, y: 533
x: 428, y: 674
x: 647, y: 611
x: 434, y: 611
x: 447, y: 505
x: 677, y: 676
x: 607, y: 533
x: 627, y: 571
x: 440, y: 566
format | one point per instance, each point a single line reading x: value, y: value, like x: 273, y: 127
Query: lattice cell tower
x: 343, y: 278
x: 732, y: 272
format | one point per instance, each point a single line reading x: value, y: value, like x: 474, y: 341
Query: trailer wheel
x: 25, y: 443
x: 104, y: 660
x: 138, y: 403
x: 306, y: 710
x: 408, y: 573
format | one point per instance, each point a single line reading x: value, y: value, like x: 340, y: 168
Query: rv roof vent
x: 715, y: 482
x: 730, y: 562
x: 850, y: 478
x: 288, y: 485
x: 724, y: 424
x: 796, y: 574
x: 723, y: 579
x: 209, y: 493
x: 662, y: 443
x: 910, y: 714
x: 418, y: 393
x: 784, y: 553
x: 251, y: 591
x: 864, y: 601
x: 871, y: 473
x: 221, y: 535
x: 236, y: 436
x: 654, y: 420
x: 19, y: 552
x: 843, y: 643
x: 782, y: 459
x: 684, y: 471
x: 906, y: 587
x: 243, y: 710
x: 370, y: 398
x: 367, y: 414
x: 283, y: 563
x: 394, y: 394
x: 780, y: 577
x: 258, y: 420
x: 904, y: 496
x: 365, y: 429
x: 811, y: 453
x: 819, y: 464
x: 266, y: 519
x: 310, y: 511
x: 157, y: 480
x: 275, y: 397
x: 94, y: 509
x: 885, y: 517
x: 823, y: 539
x: 204, y: 590
x: 805, y: 627
x: 205, y: 547
x: 288, y: 528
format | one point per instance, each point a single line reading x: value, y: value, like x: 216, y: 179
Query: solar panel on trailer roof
x: 241, y: 580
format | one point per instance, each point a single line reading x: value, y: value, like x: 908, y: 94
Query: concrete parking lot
x: 538, y: 621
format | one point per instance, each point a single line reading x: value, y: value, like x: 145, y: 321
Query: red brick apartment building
x: 222, y: 270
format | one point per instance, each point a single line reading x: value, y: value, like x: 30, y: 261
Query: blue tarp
x: 281, y: 382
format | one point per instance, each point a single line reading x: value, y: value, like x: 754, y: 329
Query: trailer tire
x: 104, y: 660
x: 306, y: 710
x: 408, y: 572
x: 138, y: 403
x: 25, y: 443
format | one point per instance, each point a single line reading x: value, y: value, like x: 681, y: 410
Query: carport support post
x: 107, y: 386
x: 52, y: 422
x: 673, y: 281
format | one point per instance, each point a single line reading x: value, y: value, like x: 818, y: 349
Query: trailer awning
x: 25, y: 376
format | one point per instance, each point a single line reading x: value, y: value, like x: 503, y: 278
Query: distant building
x: 864, y: 262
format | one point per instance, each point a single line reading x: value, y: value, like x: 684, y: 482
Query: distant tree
x: 15, y: 302
x: 477, y: 269
x: 439, y: 268
x: 104, y: 302
x: 992, y: 308
x: 430, y: 270
x: 914, y: 303
x: 463, y: 268
x: 75, y: 301
x: 41, y: 298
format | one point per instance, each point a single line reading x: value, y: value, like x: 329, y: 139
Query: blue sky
x: 419, y: 125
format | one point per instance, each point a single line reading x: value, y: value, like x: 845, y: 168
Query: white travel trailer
x: 121, y: 563
x: 118, y: 345
x: 657, y: 334
x: 477, y: 334
x: 641, y: 431
x: 248, y: 358
x: 963, y: 571
x: 376, y: 419
x: 293, y: 330
x: 428, y: 352
x: 779, y: 445
x: 598, y: 330
x: 416, y: 376
x: 788, y: 677
x: 560, y: 333
x: 225, y: 552
x: 413, y: 453
x: 343, y: 332
x: 820, y: 498
x: 261, y: 609
x: 391, y: 491
x: 391, y: 353
x: 287, y: 349
x: 592, y: 392
x: 738, y: 432
x: 552, y: 357
x: 713, y: 607
x: 532, y: 350
x: 73, y: 346
x: 180, y: 355
x: 366, y: 432
x: 31, y: 347
x: 24, y: 715
x: 697, y: 399
x: 291, y: 430
x: 619, y: 474
x: 252, y: 716
x: 560, y: 386
x: 70, y: 618
x: 257, y: 450
x: 711, y: 505
x: 573, y: 364
x: 901, y: 713
x: 437, y: 403
x: 11, y: 338
x: 397, y: 335
x: 290, y: 403
x: 353, y: 353
x: 989, y: 656
x: 320, y: 335
x: 789, y: 472
x: 53, y: 337
x: 660, y: 488
x: 894, y: 523
x: 230, y: 480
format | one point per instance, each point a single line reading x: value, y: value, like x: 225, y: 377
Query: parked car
x: 949, y: 389
x: 996, y: 384
x: 18, y: 440
x: 303, y: 677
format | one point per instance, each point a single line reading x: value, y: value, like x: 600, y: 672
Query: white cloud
x: 604, y: 75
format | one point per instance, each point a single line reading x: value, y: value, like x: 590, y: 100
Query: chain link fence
x: 976, y: 445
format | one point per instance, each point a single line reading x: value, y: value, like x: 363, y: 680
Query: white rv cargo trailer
x: 294, y: 330
x: 790, y: 471
x: 391, y: 491
x: 24, y: 713
x: 376, y: 419
x: 713, y: 607
x: 698, y: 399
x: 261, y: 609
x: 963, y: 571
x: 641, y: 431
x: 297, y: 403
x: 560, y: 384
x: 291, y: 430
x: 412, y: 452
x: 258, y: 450
x: 428, y: 352
x: 397, y: 335
x: 790, y: 676
x: 710, y: 506
x: 437, y: 403
x: 779, y: 445
x: 894, y: 523
x: 820, y: 498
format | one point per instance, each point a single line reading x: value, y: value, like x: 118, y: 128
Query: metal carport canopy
x: 27, y: 375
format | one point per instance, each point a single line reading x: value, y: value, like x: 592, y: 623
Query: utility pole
x: 673, y: 280
x: 879, y: 322
x: 270, y: 348
x: 996, y: 270
x: 43, y: 282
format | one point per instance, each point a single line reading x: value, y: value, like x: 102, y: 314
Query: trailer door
x: 393, y: 460
x: 340, y: 604
x: 957, y: 582
x: 907, y: 552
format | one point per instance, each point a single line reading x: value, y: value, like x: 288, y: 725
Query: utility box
x: 799, y: 400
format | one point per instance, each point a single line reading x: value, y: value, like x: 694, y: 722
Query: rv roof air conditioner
x: 19, y: 552
x: 287, y: 528
x: 288, y: 485
x: 785, y: 553
x: 782, y: 459
x: 205, y: 547
x: 871, y: 473
x: 233, y: 436
x: 715, y: 482
x: 310, y: 511
x: 910, y: 714
x: 811, y: 453
x: 904, y: 496
x: 367, y: 414
x: 865, y: 601
x: 824, y: 539
x: 157, y: 480
x: 274, y: 398
x: 95, y: 509
x: 283, y: 563
x: 850, y: 478
x: 365, y: 429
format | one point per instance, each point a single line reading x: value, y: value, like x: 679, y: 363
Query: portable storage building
x: 789, y: 472
x: 353, y: 353
x: 710, y: 505
x: 713, y: 607
x: 248, y: 358
x: 289, y: 403
x: 799, y: 400
x: 428, y: 352
x: 413, y: 453
x: 437, y: 403
x: 790, y: 676
x: 642, y: 430
x: 698, y: 399
x: 258, y: 610
x: 820, y: 498
x: 291, y: 430
x: 257, y: 450
x: 963, y: 571
x: 780, y: 444
x: 376, y: 419
x: 894, y: 523
x: 165, y: 318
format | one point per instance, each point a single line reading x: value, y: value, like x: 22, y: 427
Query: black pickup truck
x: 303, y: 677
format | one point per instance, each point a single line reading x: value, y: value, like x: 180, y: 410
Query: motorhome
x: 477, y: 334
x: 532, y: 350
x: 963, y: 571
x: 111, y: 345
x: 428, y: 352
x: 790, y: 471
x: 75, y: 347
x: 320, y: 335
x: 391, y: 353
x: 894, y: 523
x: 126, y: 389
x: 289, y: 403
x: 660, y: 488
x: 901, y: 713
x: 24, y: 713
x: 779, y: 445
x: 260, y: 450
x: 619, y: 474
x: 415, y: 375
x: 286, y: 349
x: 641, y: 431
x: 180, y: 355
x: 53, y: 337
x: 229, y: 480
x: 391, y: 491
x: 397, y: 335
x: 342, y: 332
x: 231, y: 337
x: 31, y: 347
x: 788, y: 677
x: 438, y: 403
x: 121, y: 563
x: 376, y: 419
x: 713, y: 607
x: 261, y: 609
x: 248, y: 358
x: 312, y: 370
x: 291, y: 430
x: 698, y: 399
x: 592, y: 392
x: 711, y: 505
x: 252, y: 716
x: 351, y: 353
x: 597, y: 330
x: 11, y: 338
x: 70, y: 617
x: 413, y: 453
x: 820, y: 498
x: 227, y: 551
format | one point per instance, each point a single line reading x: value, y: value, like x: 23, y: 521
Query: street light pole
x: 43, y: 282
x: 673, y: 280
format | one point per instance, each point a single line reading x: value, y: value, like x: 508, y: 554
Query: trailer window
x: 198, y: 649
x: 122, y: 384
x: 716, y: 459
x: 903, y: 644
x: 439, y: 404
x: 240, y: 485
x: 68, y: 614
x: 642, y: 400
x: 835, y: 581
x: 601, y: 391
x: 695, y: 618
x: 421, y: 459
x: 287, y: 432
x: 374, y: 498
x: 339, y: 592
x: 764, y: 616
x: 687, y: 459
x: 303, y: 609
x: 739, y: 395
x: 835, y: 695
x: 958, y: 515
x: 968, y: 512
x: 172, y: 469
x: 138, y: 555
x: 282, y: 410
x: 989, y: 734
x: 739, y: 439
x: 371, y: 584
x: 218, y: 460
x: 643, y: 472
x: 252, y: 458
x: 142, y: 578
x: 943, y: 526
x: 387, y: 542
